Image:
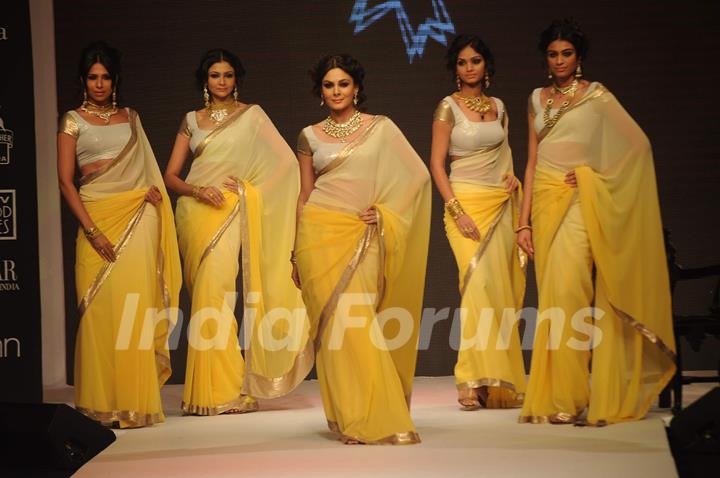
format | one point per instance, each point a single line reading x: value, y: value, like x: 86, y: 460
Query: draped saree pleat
x: 492, y: 276
x: 127, y: 307
x: 611, y: 223
x: 363, y: 284
x: 254, y: 225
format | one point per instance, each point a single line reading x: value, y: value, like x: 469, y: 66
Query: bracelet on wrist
x: 293, y: 258
x: 522, y: 228
x: 92, y: 233
x: 196, y: 190
x: 454, y: 208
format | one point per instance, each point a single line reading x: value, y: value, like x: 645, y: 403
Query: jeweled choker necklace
x: 104, y: 112
x: 479, y: 104
x: 342, y: 130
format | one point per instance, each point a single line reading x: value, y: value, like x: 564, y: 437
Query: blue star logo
x: 414, y: 40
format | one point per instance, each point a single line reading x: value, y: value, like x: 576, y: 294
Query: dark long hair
x: 346, y: 63
x: 568, y: 30
x: 476, y: 43
x: 213, y: 56
x: 107, y: 56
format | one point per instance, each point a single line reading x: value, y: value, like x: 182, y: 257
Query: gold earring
x: 578, y: 71
x: 355, y: 100
x: 487, y: 81
x: 206, y: 96
x: 322, y: 101
x: 235, y: 94
x: 458, y: 82
x: 549, y: 76
x: 84, y: 103
x: 114, y: 98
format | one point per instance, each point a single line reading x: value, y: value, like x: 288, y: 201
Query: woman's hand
x: 511, y: 183
x: 295, y: 276
x: 467, y: 227
x: 211, y: 195
x: 571, y: 179
x: 369, y: 215
x: 104, y: 247
x: 524, y: 240
x: 231, y: 184
x: 153, y: 195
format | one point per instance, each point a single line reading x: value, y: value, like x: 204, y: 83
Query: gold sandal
x: 468, y: 400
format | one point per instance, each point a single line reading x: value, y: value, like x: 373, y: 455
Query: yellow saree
x: 492, y: 276
x: 363, y: 285
x: 612, y: 221
x: 126, y: 306
x: 259, y: 222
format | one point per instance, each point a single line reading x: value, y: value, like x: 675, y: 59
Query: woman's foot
x: 350, y: 441
x: 469, y: 399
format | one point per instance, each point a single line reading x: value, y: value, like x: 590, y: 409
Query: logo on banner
x: 8, y: 218
x: 8, y: 276
x: 6, y: 143
x: 415, y: 39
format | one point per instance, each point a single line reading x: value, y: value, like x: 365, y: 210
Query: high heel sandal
x: 468, y: 400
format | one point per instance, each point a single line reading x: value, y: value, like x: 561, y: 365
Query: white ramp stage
x: 289, y: 438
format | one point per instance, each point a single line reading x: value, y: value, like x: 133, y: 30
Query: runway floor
x: 288, y: 437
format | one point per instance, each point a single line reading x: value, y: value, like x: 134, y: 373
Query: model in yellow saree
x: 259, y: 222
x: 128, y: 306
x: 363, y: 284
x: 492, y: 277
x: 612, y: 222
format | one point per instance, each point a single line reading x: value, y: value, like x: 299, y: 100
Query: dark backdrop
x: 656, y: 56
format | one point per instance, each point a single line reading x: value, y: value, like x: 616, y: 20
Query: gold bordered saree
x: 492, y: 276
x: 258, y: 225
x: 363, y: 285
x: 634, y: 348
x: 127, y: 306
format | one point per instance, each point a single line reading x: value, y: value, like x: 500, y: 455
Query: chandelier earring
x: 114, y: 98
x: 84, y: 97
x: 355, y: 100
x: 487, y: 80
x: 458, y: 82
x: 206, y: 96
x: 578, y: 71
x: 322, y: 101
x: 235, y: 93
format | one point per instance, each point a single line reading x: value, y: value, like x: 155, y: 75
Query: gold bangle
x: 293, y: 258
x: 196, y: 192
x: 92, y: 233
x: 521, y: 228
x: 454, y: 208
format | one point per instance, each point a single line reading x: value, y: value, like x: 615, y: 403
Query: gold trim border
x: 354, y: 144
x: 216, y: 131
x: 482, y: 247
x: 647, y: 333
x: 112, y: 419
x: 402, y: 438
x: 556, y: 418
x: 242, y: 404
x: 360, y: 250
x: 108, y: 266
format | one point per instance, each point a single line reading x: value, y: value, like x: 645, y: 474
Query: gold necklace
x: 564, y: 90
x: 342, y: 130
x: 479, y: 104
x: 104, y: 112
x: 219, y: 112
x: 569, y: 91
